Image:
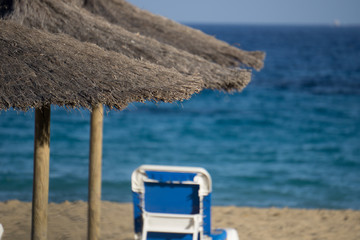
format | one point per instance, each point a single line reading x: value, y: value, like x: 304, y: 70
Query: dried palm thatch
x: 61, y: 17
x: 167, y: 31
x: 38, y: 68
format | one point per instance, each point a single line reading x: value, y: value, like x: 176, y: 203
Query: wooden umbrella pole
x: 94, y: 200
x: 41, y: 173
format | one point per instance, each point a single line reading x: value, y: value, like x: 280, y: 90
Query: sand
x: 68, y: 220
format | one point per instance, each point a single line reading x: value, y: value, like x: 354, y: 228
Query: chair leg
x: 231, y: 234
x: 1, y: 230
x: 144, y: 235
x: 144, y: 229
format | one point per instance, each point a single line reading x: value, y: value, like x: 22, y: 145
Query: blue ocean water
x: 291, y: 138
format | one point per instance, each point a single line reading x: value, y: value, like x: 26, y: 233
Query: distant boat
x: 337, y: 23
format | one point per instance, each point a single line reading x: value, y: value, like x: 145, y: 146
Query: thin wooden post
x: 41, y: 173
x: 94, y: 201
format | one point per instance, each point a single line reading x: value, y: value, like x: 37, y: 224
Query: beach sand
x: 68, y: 220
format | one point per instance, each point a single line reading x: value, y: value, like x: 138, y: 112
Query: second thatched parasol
x: 167, y: 31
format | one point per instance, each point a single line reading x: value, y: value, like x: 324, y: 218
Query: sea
x: 289, y: 139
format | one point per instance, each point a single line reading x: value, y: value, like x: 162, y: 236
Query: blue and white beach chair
x: 174, y: 203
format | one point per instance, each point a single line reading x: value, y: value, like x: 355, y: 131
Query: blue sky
x: 256, y: 11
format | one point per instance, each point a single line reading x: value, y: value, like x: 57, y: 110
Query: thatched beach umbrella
x: 92, y: 76
x: 60, y: 17
x: 167, y: 31
x: 38, y: 69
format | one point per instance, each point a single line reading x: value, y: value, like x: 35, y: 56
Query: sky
x: 256, y: 11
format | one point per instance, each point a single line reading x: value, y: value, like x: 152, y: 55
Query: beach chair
x: 174, y: 203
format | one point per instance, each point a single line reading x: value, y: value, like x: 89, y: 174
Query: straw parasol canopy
x: 72, y: 19
x: 38, y: 68
x: 167, y: 31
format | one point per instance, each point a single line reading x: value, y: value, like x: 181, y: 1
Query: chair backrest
x: 168, y: 192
